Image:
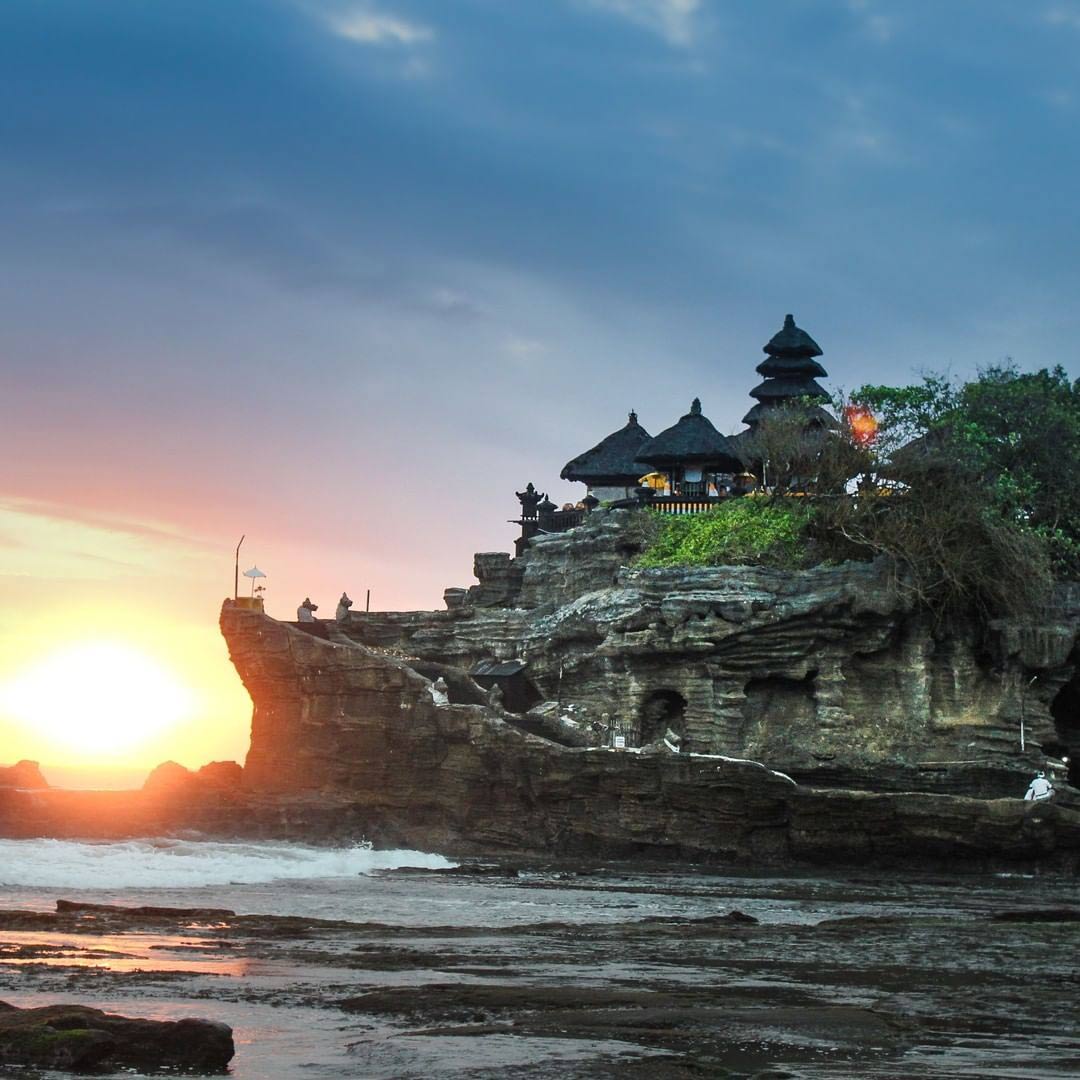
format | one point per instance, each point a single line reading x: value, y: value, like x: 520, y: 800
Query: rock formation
x: 23, y: 774
x: 80, y: 1039
x: 724, y: 713
x: 905, y: 742
x: 826, y: 674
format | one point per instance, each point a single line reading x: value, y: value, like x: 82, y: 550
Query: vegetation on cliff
x: 969, y: 488
x: 754, y: 530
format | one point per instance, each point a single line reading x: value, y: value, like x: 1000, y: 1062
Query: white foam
x: 185, y: 863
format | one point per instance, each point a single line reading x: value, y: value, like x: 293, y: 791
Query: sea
x: 395, y: 920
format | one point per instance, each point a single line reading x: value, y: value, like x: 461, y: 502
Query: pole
x: 1023, y: 702
x: 236, y: 571
x: 367, y: 602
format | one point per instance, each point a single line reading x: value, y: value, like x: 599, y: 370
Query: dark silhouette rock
x: 168, y: 776
x: 23, y: 774
x: 77, y: 1038
x: 224, y: 774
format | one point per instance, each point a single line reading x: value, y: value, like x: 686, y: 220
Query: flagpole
x: 236, y: 571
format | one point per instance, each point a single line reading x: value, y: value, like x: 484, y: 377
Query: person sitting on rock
x: 1040, y: 788
x: 440, y: 692
x: 306, y: 611
x: 343, y: 605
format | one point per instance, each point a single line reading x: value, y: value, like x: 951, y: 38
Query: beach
x: 357, y: 963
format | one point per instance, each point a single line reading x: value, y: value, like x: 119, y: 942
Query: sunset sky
x: 344, y: 276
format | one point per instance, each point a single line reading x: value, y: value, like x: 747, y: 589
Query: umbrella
x: 253, y: 573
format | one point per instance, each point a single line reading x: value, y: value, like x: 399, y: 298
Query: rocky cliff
x: 727, y: 713
x: 355, y: 729
x: 811, y: 712
x: 826, y: 674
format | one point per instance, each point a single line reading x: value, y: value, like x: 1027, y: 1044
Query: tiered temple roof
x: 693, y: 440
x: 789, y: 370
x: 613, y: 461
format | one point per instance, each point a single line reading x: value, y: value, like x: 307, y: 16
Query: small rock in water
x: 74, y: 1037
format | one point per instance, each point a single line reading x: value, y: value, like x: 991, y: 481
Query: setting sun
x: 97, y: 698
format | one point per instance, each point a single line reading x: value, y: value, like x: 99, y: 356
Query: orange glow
x: 862, y: 424
x: 99, y: 698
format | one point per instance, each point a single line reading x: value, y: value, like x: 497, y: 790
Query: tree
x: 1013, y: 436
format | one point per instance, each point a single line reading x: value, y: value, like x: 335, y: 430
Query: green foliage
x: 748, y: 530
x: 904, y: 413
x: 970, y: 489
x: 1013, y: 436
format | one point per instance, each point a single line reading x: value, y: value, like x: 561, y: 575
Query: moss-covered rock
x: 77, y: 1038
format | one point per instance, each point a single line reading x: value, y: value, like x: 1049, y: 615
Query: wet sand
x: 854, y: 977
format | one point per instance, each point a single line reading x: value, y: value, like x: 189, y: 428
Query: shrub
x: 771, y: 532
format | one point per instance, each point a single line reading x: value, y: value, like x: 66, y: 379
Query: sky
x: 342, y: 276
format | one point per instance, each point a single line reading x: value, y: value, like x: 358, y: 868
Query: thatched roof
x: 791, y: 341
x: 791, y: 365
x: 789, y: 387
x: 814, y: 415
x: 612, y: 461
x: 789, y: 374
x: 923, y: 456
x: 693, y: 440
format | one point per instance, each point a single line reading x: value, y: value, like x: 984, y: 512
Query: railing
x: 685, y: 504
x: 551, y: 522
x: 561, y: 520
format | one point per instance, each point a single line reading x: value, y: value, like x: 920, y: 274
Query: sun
x: 97, y: 698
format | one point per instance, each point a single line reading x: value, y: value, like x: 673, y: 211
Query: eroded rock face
x: 350, y: 725
x: 826, y: 674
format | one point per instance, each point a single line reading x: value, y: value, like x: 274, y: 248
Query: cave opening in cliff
x: 1065, y: 709
x: 661, y: 710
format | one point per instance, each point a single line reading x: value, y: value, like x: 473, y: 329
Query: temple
x: 693, y: 459
x: 790, y: 372
x: 690, y: 466
x: 610, y: 470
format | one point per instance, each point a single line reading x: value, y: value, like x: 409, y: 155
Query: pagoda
x: 610, y: 469
x: 790, y: 372
x: 696, y: 459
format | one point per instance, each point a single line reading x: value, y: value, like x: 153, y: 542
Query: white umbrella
x: 253, y: 573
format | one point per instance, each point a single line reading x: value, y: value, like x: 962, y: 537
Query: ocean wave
x: 189, y: 863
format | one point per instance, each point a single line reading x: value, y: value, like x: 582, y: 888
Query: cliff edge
x: 728, y: 712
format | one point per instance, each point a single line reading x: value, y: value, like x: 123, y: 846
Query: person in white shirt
x: 440, y: 692
x: 1039, y: 788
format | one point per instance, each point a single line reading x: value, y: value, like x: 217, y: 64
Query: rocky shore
x: 764, y: 718
x: 662, y: 975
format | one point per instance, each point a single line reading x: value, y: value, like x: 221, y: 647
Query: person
x: 495, y: 697
x: 343, y: 605
x: 440, y: 692
x: 1039, y: 788
x: 306, y: 611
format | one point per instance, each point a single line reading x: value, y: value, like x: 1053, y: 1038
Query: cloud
x: 1062, y: 15
x: 522, y: 350
x: 673, y: 20
x: 52, y: 542
x: 873, y: 24
x: 366, y: 26
x: 1059, y: 98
